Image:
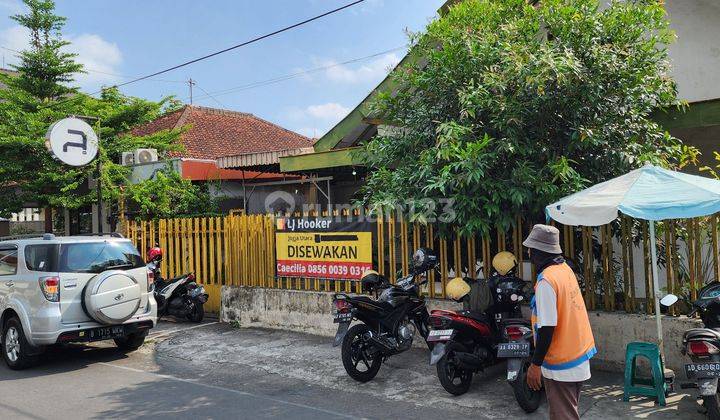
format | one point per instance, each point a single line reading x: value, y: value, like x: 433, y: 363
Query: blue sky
x: 120, y: 39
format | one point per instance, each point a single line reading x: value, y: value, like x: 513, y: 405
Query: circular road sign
x: 72, y: 141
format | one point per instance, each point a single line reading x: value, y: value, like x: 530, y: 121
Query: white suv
x: 57, y: 290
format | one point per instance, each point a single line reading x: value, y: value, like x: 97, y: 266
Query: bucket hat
x: 544, y: 238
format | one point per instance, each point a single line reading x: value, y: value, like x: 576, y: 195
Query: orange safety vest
x: 572, y: 342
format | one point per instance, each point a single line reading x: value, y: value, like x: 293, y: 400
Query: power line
x: 295, y: 75
x: 209, y: 95
x: 205, y: 57
x: 92, y: 70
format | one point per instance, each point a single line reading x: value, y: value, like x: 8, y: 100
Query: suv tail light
x: 150, y: 279
x: 342, y: 305
x: 50, y: 287
x: 701, y: 348
x: 516, y: 332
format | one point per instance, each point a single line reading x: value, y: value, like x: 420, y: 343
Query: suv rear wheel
x: 131, y: 342
x: 15, y: 347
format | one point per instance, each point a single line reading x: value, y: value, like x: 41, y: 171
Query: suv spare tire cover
x: 112, y: 297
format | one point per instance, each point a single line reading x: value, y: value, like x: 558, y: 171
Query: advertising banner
x: 322, y: 247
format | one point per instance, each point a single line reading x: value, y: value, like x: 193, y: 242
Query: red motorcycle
x: 468, y: 341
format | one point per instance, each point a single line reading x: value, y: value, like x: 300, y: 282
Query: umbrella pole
x: 656, y: 287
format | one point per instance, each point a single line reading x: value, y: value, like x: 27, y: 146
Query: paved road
x: 216, y: 371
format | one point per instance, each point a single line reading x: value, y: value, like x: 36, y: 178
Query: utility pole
x: 191, y: 83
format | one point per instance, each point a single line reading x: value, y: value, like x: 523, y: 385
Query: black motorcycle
x: 470, y: 340
x: 181, y: 296
x: 387, y: 323
x: 703, y: 347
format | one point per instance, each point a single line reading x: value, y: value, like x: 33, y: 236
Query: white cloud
x: 13, y: 38
x: 12, y: 6
x: 315, y: 120
x: 101, y: 58
x: 370, y: 72
x: 310, y: 132
x: 331, y: 111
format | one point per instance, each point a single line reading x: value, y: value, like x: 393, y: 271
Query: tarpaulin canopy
x: 649, y: 193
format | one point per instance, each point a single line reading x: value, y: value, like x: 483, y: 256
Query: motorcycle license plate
x: 513, y: 349
x: 342, y: 317
x: 702, y: 370
x: 106, y: 333
x: 440, y: 335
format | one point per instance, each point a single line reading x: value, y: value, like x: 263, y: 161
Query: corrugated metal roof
x: 249, y: 160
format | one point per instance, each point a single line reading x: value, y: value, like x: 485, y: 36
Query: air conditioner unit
x: 145, y: 155
x: 128, y: 158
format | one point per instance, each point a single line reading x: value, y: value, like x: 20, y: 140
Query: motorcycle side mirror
x: 669, y: 300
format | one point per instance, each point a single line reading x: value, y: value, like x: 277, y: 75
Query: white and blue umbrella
x: 649, y: 193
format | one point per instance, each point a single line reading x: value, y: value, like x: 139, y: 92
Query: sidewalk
x: 404, y: 378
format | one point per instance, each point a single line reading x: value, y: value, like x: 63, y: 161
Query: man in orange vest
x: 564, y: 341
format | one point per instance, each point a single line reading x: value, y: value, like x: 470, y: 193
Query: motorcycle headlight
x: 197, y: 291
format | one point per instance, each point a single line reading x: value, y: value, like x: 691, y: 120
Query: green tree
x: 40, y: 95
x: 45, y: 69
x: 506, y: 106
x: 168, y: 195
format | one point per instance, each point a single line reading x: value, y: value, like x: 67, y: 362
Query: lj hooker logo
x: 298, y: 225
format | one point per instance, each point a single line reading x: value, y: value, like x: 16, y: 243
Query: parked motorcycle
x: 387, y: 323
x: 703, y: 347
x: 181, y: 296
x: 490, y: 328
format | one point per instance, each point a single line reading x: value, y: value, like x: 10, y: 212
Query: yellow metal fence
x: 610, y: 260
x: 232, y: 250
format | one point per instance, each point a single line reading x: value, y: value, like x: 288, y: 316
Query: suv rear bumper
x: 64, y: 335
x: 90, y: 334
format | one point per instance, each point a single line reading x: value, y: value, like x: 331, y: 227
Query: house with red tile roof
x: 211, y: 134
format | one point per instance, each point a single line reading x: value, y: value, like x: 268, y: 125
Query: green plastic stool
x: 655, y: 386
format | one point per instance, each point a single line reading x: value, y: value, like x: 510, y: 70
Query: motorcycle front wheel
x: 453, y: 378
x: 528, y: 399
x: 357, y: 357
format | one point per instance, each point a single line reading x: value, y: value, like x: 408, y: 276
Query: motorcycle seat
x: 371, y: 301
x: 513, y: 321
x: 702, y: 333
x: 475, y: 315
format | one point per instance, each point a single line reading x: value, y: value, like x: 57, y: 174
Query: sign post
x: 73, y: 142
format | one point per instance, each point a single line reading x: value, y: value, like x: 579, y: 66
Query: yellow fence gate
x: 219, y: 250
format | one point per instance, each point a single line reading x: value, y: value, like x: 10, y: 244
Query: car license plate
x: 440, y: 335
x: 343, y: 317
x: 107, y: 333
x: 702, y: 370
x: 514, y: 349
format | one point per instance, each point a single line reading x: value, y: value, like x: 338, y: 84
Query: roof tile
x: 214, y: 133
